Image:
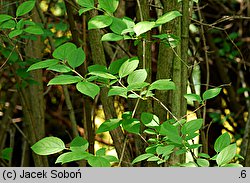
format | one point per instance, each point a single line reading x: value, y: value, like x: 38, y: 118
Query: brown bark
x: 32, y: 98
x: 117, y: 135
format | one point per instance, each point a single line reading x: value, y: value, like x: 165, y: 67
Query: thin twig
x: 143, y: 39
x: 205, y: 24
x: 241, y: 55
x: 136, y: 106
x: 7, y: 59
x: 230, y: 18
x: 205, y: 145
x: 156, y: 99
x: 22, y: 133
x: 71, y: 111
x: 143, y: 139
x: 140, y: 10
x: 194, y: 111
x: 123, y: 150
x: 208, y: 128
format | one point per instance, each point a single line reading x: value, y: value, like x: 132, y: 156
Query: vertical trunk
x: 87, y: 118
x: 117, y: 135
x: 245, y: 145
x: 170, y: 65
x: 34, y: 93
x: 144, y: 54
x: 176, y: 99
x: 184, y: 52
x: 164, y: 66
x: 31, y: 124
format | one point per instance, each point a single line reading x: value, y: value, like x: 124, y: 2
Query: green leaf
x: 25, y: 8
x: 171, y: 132
x: 64, y: 80
x: 79, y: 144
x: 20, y: 24
x: 154, y: 158
x: 238, y: 156
x: 97, y: 67
x: 170, y: 40
x: 142, y: 157
x: 108, y: 5
x: 226, y: 155
x: 137, y: 86
x: 76, y: 57
x: 9, y: 24
x: 180, y: 151
x: 131, y: 125
x: 86, y: 3
x: 96, y: 161
x: 103, y: 74
x: 109, y: 125
x: 118, y: 25
x: 5, y: 17
x: 214, y: 157
x: 133, y: 96
x: 128, y: 30
x: 162, y: 84
x: 143, y: 27
x: 167, y: 17
x: 15, y: 33
x: 194, y: 146
x: 138, y: 76
x: 61, y: 26
x: 83, y: 10
x: 115, y: 66
x: 203, y: 155
x: 150, y: 131
x: 34, y: 30
x: 117, y: 90
x: 193, y: 97
x: 101, y: 152
x: 128, y: 67
x: 99, y: 21
x: 6, y: 153
x: 153, y: 141
x: 72, y: 156
x: 151, y: 149
x: 202, y: 162
x: 211, y: 93
x: 192, y: 126
x: 48, y: 145
x: 166, y: 150
x: 221, y: 142
x: 127, y: 115
x: 87, y: 88
x: 25, y: 22
x: 111, y: 158
x: 129, y: 22
x: 191, y: 136
x: 179, y: 123
x: 59, y: 68
x: 92, y: 78
x: 43, y: 64
x: 111, y: 37
x: 63, y: 51
x: 149, y: 120
x: 232, y: 165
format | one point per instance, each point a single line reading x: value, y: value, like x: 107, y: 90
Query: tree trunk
x: 117, y: 135
x: 34, y: 93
